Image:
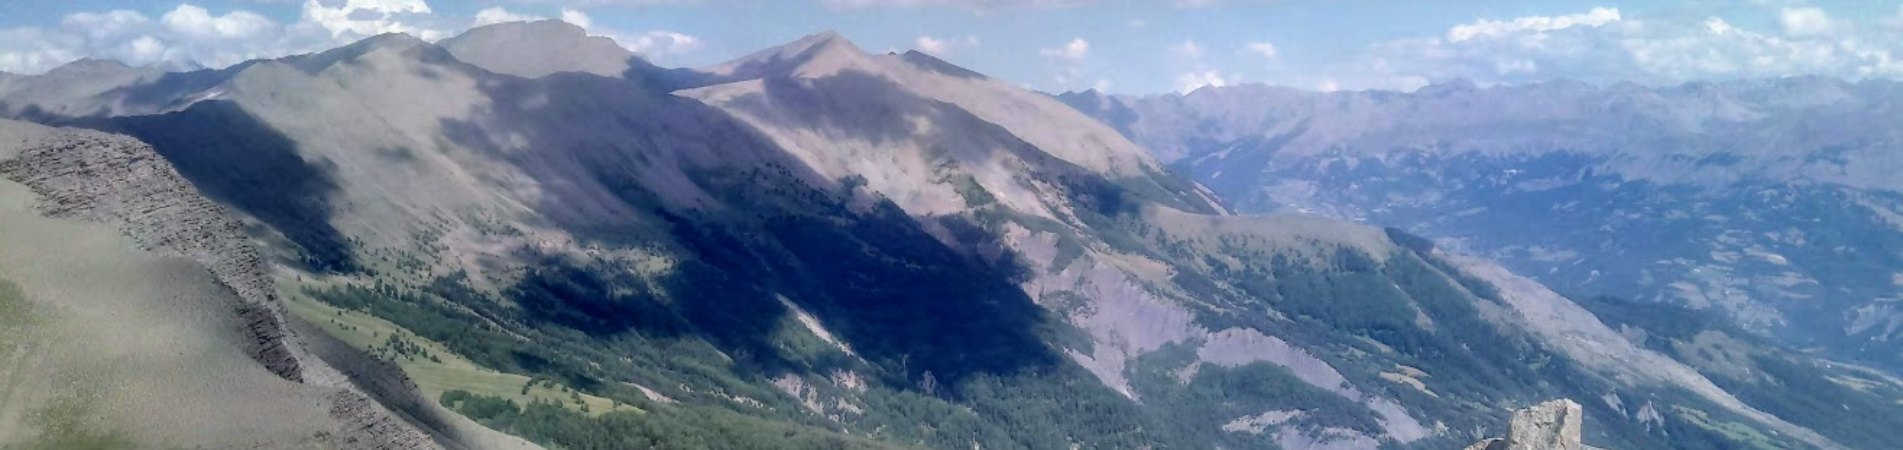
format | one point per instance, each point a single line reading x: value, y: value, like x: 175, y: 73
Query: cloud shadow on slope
x: 238, y: 160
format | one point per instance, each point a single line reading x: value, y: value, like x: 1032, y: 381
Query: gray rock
x: 1554, y: 425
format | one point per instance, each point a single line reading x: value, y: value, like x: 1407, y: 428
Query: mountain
x: 816, y: 247
x: 546, y: 47
x: 1772, y: 202
x: 111, y: 336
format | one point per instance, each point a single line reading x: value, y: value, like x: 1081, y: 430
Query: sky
x: 1118, y: 46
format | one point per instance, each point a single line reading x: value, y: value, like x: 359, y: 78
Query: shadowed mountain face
x: 817, y: 247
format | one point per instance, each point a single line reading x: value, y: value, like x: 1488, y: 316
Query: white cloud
x: 1603, y: 46
x: 186, y: 37
x: 1190, y: 82
x: 1263, y: 49
x: 596, y: 3
x: 31, y: 50
x: 1805, y: 21
x: 190, y: 36
x: 105, y: 25
x: 145, y: 48
x: 364, y: 18
x: 1069, y: 64
x: 1075, y: 50
x: 931, y: 45
x: 1492, y: 28
x: 494, y: 15
x: 979, y: 5
x: 196, y: 22
x: 1187, y: 49
x: 660, y: 43
x: 578, y: 18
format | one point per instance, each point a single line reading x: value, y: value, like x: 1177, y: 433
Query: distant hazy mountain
x: 813, y: 246
x: 1773, y: 203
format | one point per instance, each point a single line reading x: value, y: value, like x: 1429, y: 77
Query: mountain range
x: 526, y: 236
x: 1772, y: 203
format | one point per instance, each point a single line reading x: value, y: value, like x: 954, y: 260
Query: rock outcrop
x: 119, y: 181
x: 1554, y: 425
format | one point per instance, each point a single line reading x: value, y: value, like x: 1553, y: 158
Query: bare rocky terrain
x: 117, y: 182
x: 811, y: 246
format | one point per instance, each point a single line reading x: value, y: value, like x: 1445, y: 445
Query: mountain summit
x: 540, y: 48
x: 819, y: 54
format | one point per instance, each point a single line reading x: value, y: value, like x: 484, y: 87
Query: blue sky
x: 1124, y: 46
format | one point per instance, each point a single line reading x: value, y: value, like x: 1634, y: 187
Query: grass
x: 1734, y: 431
x: 14, y: 313
x: 435, y: 368
x: 14, y: 316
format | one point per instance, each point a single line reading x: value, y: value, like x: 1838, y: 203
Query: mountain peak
x: 819, y: 53
x: 547, y: 30
x: 390, y: 41
x: 398, y: 43
x: 540, y: 48
x: 827, y: 44
x: 91, y: 66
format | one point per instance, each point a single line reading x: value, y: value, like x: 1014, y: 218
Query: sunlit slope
x: 111, y: 347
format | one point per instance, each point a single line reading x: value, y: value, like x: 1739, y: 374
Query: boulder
x: 1553, y: 425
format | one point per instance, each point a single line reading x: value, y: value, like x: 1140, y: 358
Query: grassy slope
x: 128, y: 349
x: 448, y: 371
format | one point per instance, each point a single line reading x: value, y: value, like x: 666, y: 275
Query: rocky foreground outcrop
x: 121, y: 182
x: 1554, y: 425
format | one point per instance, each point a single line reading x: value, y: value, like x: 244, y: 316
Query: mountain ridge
x: 834, y: 248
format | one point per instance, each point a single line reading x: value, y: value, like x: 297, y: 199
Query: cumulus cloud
x: 106, y: 25
x: 601, y: 3
x: 1602, y: 45
x: 31, y: 50
x: 364, y: 18
x: 1190, y: 82
x: 195, y: 22
x: 1068, y: 62
x: 1262, y: 49
x: 1805, y: 21
x: 931, y: 45
x: 1075, y: 50
x: 659, y: 43
x: 578, y: 18
x: 971, y: 4
x: 496, y: 14
x: 190, y: 36
x: 187, y: 37
x: 1494, y: 28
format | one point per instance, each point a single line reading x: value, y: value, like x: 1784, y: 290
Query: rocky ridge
x: 119, y: 181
